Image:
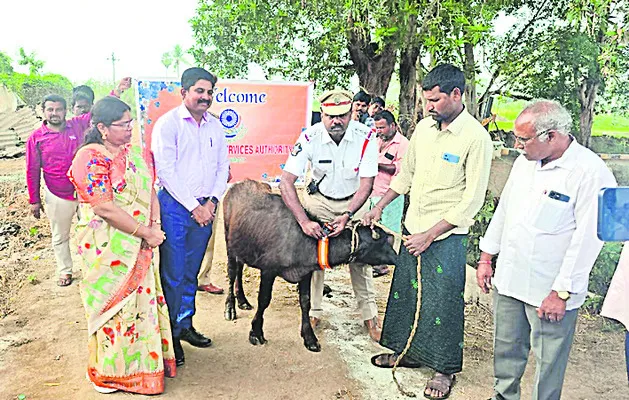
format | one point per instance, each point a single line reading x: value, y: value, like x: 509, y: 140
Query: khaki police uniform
x: 338, y: 169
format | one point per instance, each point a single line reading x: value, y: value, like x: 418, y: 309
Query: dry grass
x: 478, y: 333
x: 17, y: 257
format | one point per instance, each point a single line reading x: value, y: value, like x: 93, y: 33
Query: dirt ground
x: 43, y: 346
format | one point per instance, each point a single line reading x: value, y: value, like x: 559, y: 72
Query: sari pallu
x: 130, y: 341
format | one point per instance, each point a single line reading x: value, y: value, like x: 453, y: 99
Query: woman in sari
x: 130, y: 341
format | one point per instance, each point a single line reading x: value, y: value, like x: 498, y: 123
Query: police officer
x: 343, y: 158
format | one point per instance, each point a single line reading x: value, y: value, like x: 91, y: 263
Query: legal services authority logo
x: 231, y: 124
x: 229, y: 118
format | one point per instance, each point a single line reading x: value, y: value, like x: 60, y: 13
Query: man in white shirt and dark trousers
x: 343, y: 157
x: 544, y: 232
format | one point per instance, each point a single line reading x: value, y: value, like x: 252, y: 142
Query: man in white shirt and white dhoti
x: 544, y: 232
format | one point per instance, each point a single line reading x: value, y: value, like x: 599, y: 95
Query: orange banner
x: 261, y: 120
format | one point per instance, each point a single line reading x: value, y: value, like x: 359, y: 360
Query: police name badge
x: 296, y: 149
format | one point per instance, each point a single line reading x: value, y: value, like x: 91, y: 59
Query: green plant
x: 601, y: 275
x: 32, y: 279
x: 33, y: 88
x: 481, y: 222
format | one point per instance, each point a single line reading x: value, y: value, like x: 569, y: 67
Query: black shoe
x: 195, y: 338
x: 180, y: 359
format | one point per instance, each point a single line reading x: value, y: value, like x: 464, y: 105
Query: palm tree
x: 178, y: 57
x: 167, y: 60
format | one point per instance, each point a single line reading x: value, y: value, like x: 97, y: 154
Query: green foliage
x: 178, y: 57
x: 167, y: 60
x: 556, y: 61
x: 295, y: 40
x: 104, y: 88
x: 601, y: 275
x: 5, y: 64
x: 481, y: 222
x: 610, y: 125
x: 32, y: 279
x: 34, y: 65
x: 33, y: 88
x: 610, y: 144
x: 572, y: 56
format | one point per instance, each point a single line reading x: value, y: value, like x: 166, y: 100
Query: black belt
x: 333, y: 199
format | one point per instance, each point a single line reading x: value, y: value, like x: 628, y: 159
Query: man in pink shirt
x: 391, y: 146
x: 50, y: 149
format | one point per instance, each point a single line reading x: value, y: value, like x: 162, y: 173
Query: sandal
x: 387, y: 360
x: 441, y: 383
x: 64, y: 280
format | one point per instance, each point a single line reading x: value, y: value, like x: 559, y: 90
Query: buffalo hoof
x: 256, y: 340
x: 230, y: 313
x: 313, y: 346
x: 245, y: 306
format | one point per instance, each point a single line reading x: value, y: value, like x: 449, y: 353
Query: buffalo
x: 261, y: 231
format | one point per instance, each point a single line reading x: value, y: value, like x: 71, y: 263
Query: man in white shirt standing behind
x: 192, y: 166
x: 544, y: 232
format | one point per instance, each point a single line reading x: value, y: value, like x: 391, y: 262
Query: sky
x: 76, y: 37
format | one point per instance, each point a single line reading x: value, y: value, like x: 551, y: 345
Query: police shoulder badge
x: 296, y: 149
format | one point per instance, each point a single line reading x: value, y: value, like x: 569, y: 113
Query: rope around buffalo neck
x: 389, y: 231
x: 354, y: 247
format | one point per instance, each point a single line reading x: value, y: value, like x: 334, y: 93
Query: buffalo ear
x: 375, y: 235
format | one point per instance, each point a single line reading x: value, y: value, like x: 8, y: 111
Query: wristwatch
x: 349, y: 214
x: 214, y: 200
x: 563, y: 295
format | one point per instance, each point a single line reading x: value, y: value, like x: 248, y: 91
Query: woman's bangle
x: 136, y: 229
x: 379, y: 208
x: 484, y: 262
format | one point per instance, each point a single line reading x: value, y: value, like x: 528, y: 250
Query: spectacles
x: 524, y: 141
x: 125, y: 124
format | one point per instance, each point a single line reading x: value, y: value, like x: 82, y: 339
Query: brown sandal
x: 441, y: 383
x: 64, y: 280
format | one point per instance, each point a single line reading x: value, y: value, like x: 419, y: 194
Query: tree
x: 326, y: 41
x: 34, y: 65
x: 571, y: 56
x: 167, y: 60
x: 177, y: 56
x: 5, y: 64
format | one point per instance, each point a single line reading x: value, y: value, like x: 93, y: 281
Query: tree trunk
x: 374, y: 70
x: 420, y: 100
x: 373, y: 66
x: 409, y: 54
x: 469, y: 69
x: 587, y: 99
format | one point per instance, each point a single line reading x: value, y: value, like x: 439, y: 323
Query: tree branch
x: 512, y: 45
x: 430, y: 11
